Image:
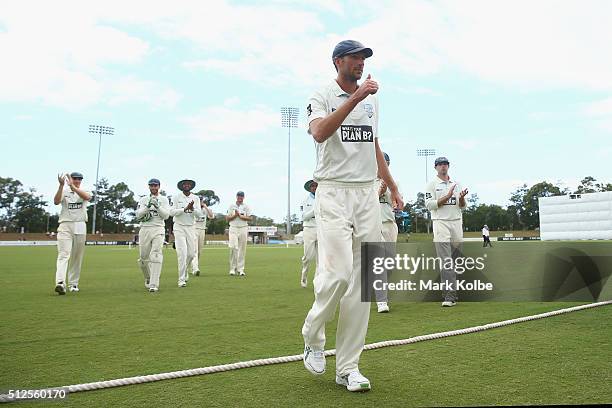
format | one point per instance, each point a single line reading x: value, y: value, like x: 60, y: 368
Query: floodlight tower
x: 289, y: 117
x: 100, y: 130
x: 426, y: 153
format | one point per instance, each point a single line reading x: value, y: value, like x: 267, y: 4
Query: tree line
x: 22, y: 207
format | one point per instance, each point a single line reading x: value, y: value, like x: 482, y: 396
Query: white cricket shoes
x: 242, y: 273
x: 354, y: 382
x: 182, y: 284
x: 232, y: 273
x: 304, y: 282
x: 153, y: 289
x: 449, y: 303
x: 74, y: 288
x: 60, y: 288
x: 383, y: 307
x: 314, y: 360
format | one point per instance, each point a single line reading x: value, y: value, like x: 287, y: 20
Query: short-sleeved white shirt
x: 243, y: 209
x: 451, y: 209
x: 349, y: 155
x: 74, y: 208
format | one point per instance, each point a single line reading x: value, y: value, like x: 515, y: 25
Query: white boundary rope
x: 298, y: 357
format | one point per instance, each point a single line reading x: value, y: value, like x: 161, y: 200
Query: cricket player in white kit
x: 446, y: 201
x: 152, y: 211
x: 200, y: 236
x: 389, y: 234
x: 343, y: 120
x: 71, y: 232
x: 309, y: 225
x: 238, y: 216
x: 185, y: 209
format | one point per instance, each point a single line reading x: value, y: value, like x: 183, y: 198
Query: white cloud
x: 61, y: 55
x: 217, y: 123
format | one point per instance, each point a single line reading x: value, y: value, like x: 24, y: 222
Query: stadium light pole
x: 100, y: 130
x: 289, y: 118
x: 426, y: 153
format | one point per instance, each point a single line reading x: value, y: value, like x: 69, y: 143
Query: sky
x: 511, y: 92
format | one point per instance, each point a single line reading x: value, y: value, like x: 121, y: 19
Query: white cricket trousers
x: 310, y: 249
x: 237, y: 247
x: 200, y: 240
x: 70, y: 249
x: 389, y: 234
x: 347, y: 215
x: 184, y: 240
x: 151, y: 242
x: 448, y: 236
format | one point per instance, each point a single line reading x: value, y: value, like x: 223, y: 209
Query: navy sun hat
x: 347, y: 47
x: 180, y: 184
x: 76, y: 175
x: 308, y: 184
x: 441, y: 160
x: 154, y: 181
x: 240, y: 193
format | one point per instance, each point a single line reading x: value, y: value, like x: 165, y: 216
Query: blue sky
x: 511, y: 92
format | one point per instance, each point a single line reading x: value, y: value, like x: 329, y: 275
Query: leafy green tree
x: 9, y: 195
x: 30, y: 212
x: 209, y: 197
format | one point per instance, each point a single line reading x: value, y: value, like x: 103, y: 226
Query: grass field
x: 114, y: 329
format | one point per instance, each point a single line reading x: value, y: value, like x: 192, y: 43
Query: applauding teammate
x: 238, y: 216
x: 200, y: 238
x: 152, y: 211
x: 185, y: 209
x: 71, y: 232
x: 446, y: 201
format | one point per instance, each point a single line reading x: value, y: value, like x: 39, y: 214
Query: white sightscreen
x: 576, y: 216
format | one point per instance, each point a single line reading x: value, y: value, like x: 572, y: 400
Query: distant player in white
x: 389, y: 234
x: 446, y: 201
x: 200, y: 238
x: 486, y: 237
x: 309, y: 231
x: 71, y: 232
x: 238, y: 216
x: 343, y: 120
x: 185, y: 209
x: 152, y: 211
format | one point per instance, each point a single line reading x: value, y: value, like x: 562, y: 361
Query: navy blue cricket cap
x: 154, y: 181
x: 441, y: 160
x: 347, y: 47
x: 240, y: 193
x: 76, y: 174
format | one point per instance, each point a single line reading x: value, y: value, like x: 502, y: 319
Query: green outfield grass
x: 113, y: 328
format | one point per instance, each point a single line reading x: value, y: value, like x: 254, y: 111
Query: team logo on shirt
x: 451, y: 201
x: 369, y: 109
x: 356, y: 134
x: 75, y: 206
x: 153, y: 213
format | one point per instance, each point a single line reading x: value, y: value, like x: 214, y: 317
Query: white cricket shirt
x: 307, y: 207
x: 450, y: 210
x: 157, y: 215
x: 349, y: 155
x: 243, y: 209
x: 74, y: 208
x: 179, y: 202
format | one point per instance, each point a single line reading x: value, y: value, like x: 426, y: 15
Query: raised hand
x: 463, y: 193
x: 61, y: 178
x: 368, y: 87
